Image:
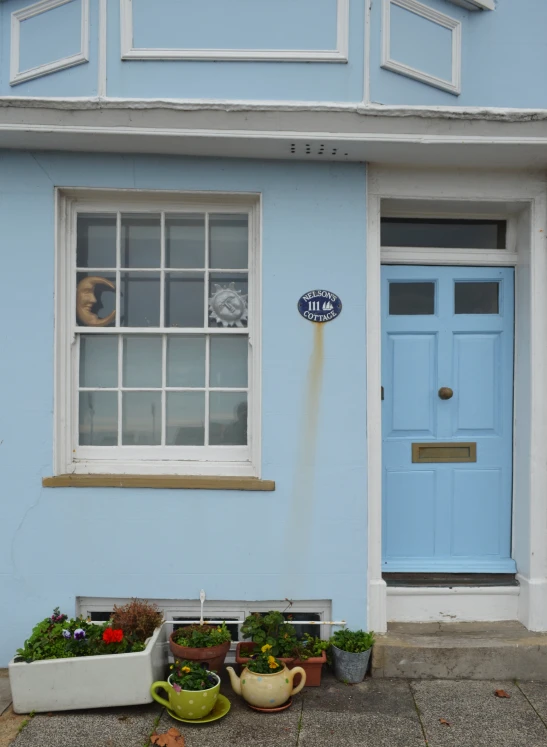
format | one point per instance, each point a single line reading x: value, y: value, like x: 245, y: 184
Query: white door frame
x: 522, y: 197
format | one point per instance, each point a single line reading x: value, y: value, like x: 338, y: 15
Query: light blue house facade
x: 174, y: 178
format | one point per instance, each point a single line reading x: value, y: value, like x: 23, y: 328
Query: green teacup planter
x: 192, y: 691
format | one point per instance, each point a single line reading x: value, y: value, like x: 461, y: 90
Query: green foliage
x: 189, y: 675
x: 263, y: 662
x: 272, y: 629
x: 202, y: 636
x: 310, y: 646
x: 58, y: 637
x: 138, y: 619
x: 354, y: 641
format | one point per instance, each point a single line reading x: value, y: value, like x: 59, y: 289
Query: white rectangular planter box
x: 89, y: 681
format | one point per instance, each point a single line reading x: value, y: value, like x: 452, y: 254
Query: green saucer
x: 222, y: 706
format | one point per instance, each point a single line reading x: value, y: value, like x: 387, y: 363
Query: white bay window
x: 157, y: 320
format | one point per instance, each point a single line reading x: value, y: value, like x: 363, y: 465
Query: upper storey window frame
x: 340, y: 54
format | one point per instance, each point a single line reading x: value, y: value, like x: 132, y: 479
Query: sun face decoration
x: 228, y: 306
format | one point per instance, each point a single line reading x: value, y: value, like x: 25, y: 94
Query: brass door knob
x: 445, y: 392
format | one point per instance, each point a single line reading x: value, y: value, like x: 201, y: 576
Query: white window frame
x: 69, y: 458
x: 217, y: 610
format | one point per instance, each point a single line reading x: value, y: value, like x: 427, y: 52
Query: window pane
x: 411, y: 298
x: 96, y: 299
x: 142, y: 361
x: 184, y: 301
x: 228, y: 418
x: 448, y: 234
x: 186, y: 361
x: 476, y: 298
x: 228, y: 364
x: 228, y: 299
x: 141, y: 237
x: 96, y: 242
x: 98, y: 418
x: 185, y: 419
x: 99, y: 361
x: 140, y: 299
x: 228, y: 242
x: 185, y: 241
x: 141, y: 422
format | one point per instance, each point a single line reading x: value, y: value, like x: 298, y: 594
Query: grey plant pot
x: 350, y: 667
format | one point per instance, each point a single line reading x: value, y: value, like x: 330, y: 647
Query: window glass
x: 411, y: 298
x: 476, y: 298
x: 441, y: 233
x: 181, y: 378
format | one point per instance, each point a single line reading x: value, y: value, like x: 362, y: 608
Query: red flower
x: 112, y: 636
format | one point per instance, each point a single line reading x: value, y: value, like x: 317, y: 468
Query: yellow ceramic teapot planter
x: 266, y: 690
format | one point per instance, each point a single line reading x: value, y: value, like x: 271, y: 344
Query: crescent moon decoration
x: 228, y: 306
x: 86, y: 302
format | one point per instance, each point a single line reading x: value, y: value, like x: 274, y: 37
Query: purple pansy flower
x: 176, y: 688
x: 67, y: 633
x: 79, y: 634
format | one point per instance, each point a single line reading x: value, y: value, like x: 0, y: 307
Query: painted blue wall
x: 504, y: 53
x: 45, y: 38
x: 309, y: 539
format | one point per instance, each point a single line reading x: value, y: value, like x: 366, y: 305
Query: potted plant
x: 265, y: 681
x: 350, y: 654
x: 206, y: 644
x: 309, y: 653
x: 187, y: 679
x: 68, y: 664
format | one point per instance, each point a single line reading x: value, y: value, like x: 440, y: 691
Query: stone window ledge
x: 177, y: 482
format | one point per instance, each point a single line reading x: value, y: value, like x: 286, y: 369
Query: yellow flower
x: 171, y: 667
x: 219, y: 630
x: 273, y: 665
x: 270, y: 659
x: 265, y: 648
x: 185, y: 669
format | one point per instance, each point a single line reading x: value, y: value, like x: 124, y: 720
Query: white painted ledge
x: 456, y: 604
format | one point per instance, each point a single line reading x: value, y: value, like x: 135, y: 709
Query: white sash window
x: 157, y: 335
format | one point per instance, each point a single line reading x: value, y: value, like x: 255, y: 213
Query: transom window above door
x: 445, y: 233
x: 163, y: 335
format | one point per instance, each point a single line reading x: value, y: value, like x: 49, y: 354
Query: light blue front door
x: 447, y: 375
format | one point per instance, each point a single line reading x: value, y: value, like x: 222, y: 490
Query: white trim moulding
x: 475, y: 4
x: 441, y: 19
x: 340, y: 54
x: 19, y: 76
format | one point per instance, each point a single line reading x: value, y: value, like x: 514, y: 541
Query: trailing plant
x: 202, y: 636
x: 353, y: 641
x: 264, y: 662
x: 189, y: 675
x: 272, y: 629
x: 138, y: 619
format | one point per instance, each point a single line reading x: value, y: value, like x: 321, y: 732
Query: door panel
x: 448, y: 327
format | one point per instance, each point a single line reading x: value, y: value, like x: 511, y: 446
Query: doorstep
x: 468, y: 650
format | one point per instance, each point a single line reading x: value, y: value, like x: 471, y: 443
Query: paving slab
x: 241, y: 726
x: 5, y: 692
x: 374, y: 713
x: 536, y: 692
x: 102, y: 727
x: 477, y: 717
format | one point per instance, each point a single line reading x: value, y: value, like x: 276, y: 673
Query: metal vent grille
x: 315, y: 149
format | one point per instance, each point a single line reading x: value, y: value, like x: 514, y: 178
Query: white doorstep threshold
x: 456, y: 604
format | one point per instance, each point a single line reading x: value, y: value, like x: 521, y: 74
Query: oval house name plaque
x: 320, y: 306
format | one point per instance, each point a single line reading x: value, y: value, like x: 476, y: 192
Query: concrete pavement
x: 375, y: 713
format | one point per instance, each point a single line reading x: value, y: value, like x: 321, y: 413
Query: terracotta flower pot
x: 213, y: 656
x: 313, y: 666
